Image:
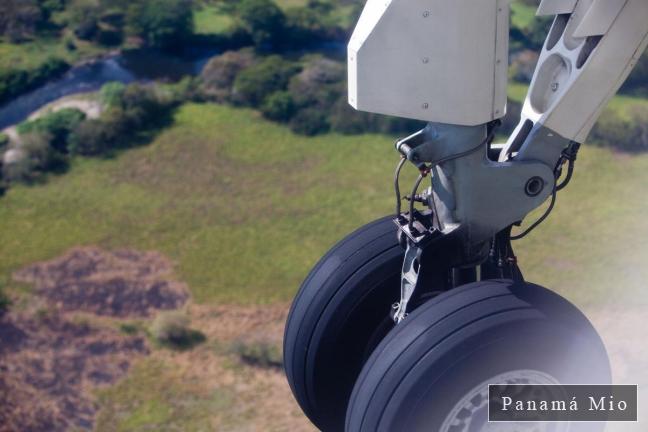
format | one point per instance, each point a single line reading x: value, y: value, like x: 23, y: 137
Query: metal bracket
x: 409, y: 279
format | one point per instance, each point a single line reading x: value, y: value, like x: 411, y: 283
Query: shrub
x: 310, y: 121
x: 109, y: 36
x: 261, y: 353
x: 57, y: 125
x: 32, y: 159
x: 92, y: 138
x: 16, y: 81
x: 279, y: 106
x: 263, y: 20
x: 164, y: 24
x: 171, y: 329
x: 627, y: 133
x: 219, y: 74
x: 320, y: 83
x: 344, y: 119
x: 5, y: 302
x: 255, y: 83
x: 19, y: 18
x: 134, y: 112
x: 111, y: 94
x: 4, y: 140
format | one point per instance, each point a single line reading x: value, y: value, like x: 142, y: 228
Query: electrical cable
x: 399, y: 167
x: 542, y: 218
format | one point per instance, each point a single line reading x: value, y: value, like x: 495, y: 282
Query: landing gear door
x: 433, y: 60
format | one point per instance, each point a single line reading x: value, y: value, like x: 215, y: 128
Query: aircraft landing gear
x: 352, y: 368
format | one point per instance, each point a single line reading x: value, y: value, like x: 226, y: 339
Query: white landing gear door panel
x: 434, y: 60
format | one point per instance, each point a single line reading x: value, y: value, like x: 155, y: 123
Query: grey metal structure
x: 445, y: 61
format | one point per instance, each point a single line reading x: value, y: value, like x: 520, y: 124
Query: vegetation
x: 308, y: 94
x: 4, y: 300
x: 171, y: 329
x: 166, y: 24
x: 132, y: 116
x: 162, y: 197
x: 260, y: 353
x: 155, y: 396
x: 14, y: 81
x: 57, y: 126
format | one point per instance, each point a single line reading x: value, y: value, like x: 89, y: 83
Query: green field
x: 246, y: 207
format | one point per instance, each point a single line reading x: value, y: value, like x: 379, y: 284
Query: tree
x: 255, y: 83
x: 263, y: 19
x: 279, y: 106
x: 56, y: 125
x: 164, y: 24
x: 19, y: 18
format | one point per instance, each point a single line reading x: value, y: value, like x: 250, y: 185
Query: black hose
x: 399, y: 167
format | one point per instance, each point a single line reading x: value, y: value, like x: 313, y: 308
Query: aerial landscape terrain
x: 171, y: 170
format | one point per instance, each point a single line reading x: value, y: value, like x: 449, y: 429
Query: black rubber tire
x: 339, y: 314
x: 459, y: 340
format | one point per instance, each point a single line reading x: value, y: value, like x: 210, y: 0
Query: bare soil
x: 49, y: 363
x: 122, y: 283
x: 52, y: 359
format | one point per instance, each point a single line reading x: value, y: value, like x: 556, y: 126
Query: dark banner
x: 553, y: 403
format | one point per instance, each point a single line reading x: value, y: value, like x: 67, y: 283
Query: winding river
x: 126, y: 67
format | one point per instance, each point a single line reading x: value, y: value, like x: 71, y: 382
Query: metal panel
x: 599, y: 18
x: 433, y: 60
x: 556, y: 7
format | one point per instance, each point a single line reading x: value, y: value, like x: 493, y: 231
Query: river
x: 126, y: 67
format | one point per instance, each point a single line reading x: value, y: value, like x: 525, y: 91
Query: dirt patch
x: 50, y: 364
x: 121, y: 283
x: 258, y: 398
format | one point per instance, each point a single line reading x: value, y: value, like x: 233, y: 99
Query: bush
x: 92, y: 138
x: 219, y: 74
x: 109, y: 36
x: 279, y: 106
x: 4, y: 141
x: 111, y: 94
x: 320, y: 83
x: 627, y: 133
x: 310, y: 121
x: 263, y: 20
x: 259, y: 353
x: 19, y: 19
x: 32, y: 159
x: 13, y: 82
x: 171, y: 329
x: 134, y: 112
x: 57, y: 125
x: 165, y: 24
x: 255, y: 83
x: 5, y: 302
x: 344, y: 119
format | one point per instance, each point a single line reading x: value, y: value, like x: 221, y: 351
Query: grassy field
x: 245, y: 208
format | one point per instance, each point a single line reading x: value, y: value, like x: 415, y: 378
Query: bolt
x: 426, y: 14
x: 554, y: 86
x: 426, y: 60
